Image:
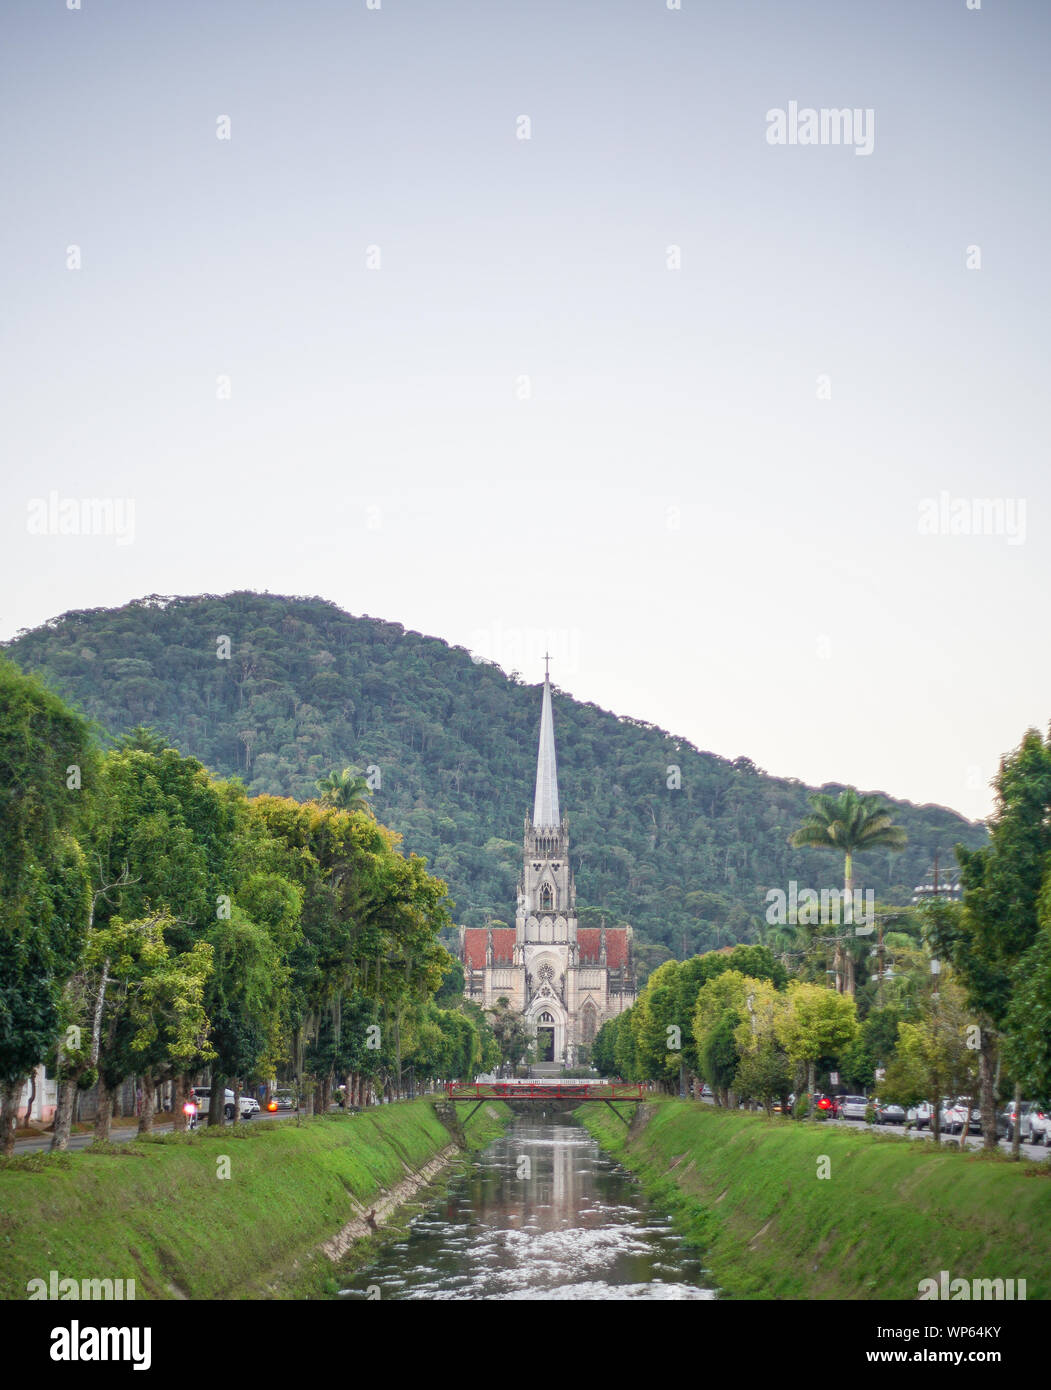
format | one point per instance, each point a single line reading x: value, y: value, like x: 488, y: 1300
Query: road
x: 974, y: 1141
x: 122, y: 1134
x: 1037, y: 1152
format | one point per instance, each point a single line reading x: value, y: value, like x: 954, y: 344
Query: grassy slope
x: 156, y: 1212
x: 893, y: 1211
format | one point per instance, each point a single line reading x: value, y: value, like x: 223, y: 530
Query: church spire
x: 545, y: 804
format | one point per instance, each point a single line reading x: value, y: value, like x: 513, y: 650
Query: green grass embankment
x: 892, y: 1211
x: 156, y: 1211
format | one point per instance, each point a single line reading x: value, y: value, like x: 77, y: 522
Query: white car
x: 921, y: 1115
x: 1040, y: 1124
x: 853, y: 1107
x: 203, y: 1096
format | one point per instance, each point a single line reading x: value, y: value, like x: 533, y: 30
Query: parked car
x: 1031, y: 1119
x: 249, y: 1107
x: 854, y: 1107
x: 285, y: 1099
x: 887, y: 1113
x: 956, y: 1116
x: 1040, y: 1124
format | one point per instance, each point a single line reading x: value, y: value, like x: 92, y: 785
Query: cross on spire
x: 547, y: 659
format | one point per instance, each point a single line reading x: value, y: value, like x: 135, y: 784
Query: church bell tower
x: 547, y: 895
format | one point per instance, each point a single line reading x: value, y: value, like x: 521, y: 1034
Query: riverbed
x: 543, y: 1213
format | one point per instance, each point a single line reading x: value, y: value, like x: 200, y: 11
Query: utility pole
x: 879, y: 956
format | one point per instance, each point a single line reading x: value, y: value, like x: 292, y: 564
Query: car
x: 1040, y: 1124
x: 202, y: 1095
x: 1037, y: 1123
x: 888, y: 1113
x: 285, y: 1100
x: 1032, y: 1121
x: 954, y: 1115
x: 854, y: 1107
x: 963, y: 1110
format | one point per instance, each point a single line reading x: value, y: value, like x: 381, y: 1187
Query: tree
x: 152, y: 1021
x: 817, y: 1023
x: 47, y: 765
x: 244, y: 1003
x: 513, y: 1038
x: 1027, y: 1028
x: 657, y: 1025
x: 988, y: 935
x: 932, y: 1058
x: 763, y: 1073
x: 848, y: 824
x: 346, y: 791
x: 624, y: 1060
x: 721, y: 1007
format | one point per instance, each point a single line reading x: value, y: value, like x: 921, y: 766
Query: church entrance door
x: 545, y: 1038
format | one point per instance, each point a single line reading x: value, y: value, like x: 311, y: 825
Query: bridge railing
x: 511, y: 1090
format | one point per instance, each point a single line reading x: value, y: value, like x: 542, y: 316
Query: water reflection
x: 542, y: 1214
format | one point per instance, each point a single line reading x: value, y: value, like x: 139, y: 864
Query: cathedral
x: 566, y: 980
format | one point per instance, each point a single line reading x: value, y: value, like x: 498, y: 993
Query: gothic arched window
x: 588, y: 1022
x: 545, y: 896
x: 545, y: 1018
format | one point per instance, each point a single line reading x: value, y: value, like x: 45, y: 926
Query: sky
x: 515, y: 324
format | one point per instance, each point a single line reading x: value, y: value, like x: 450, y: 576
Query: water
x: 542, y: 1214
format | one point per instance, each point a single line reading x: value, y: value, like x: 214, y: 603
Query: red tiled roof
x: 589, y: 941
x: 617, y: 947
x: 503, y: 945
x: 474, y: 944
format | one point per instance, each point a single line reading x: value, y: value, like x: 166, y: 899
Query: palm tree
x: 850, y: 824
x: 348, y: 790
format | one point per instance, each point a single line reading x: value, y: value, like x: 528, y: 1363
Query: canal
x: 543, y: 1213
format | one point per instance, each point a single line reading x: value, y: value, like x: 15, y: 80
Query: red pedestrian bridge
x: 565, y: 1095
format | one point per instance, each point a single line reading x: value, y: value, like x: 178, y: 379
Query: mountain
x: 307, y: 687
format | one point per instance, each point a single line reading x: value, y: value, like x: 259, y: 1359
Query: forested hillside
x: 308, y: 688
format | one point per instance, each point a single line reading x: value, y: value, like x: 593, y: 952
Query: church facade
x: 565, y: 979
